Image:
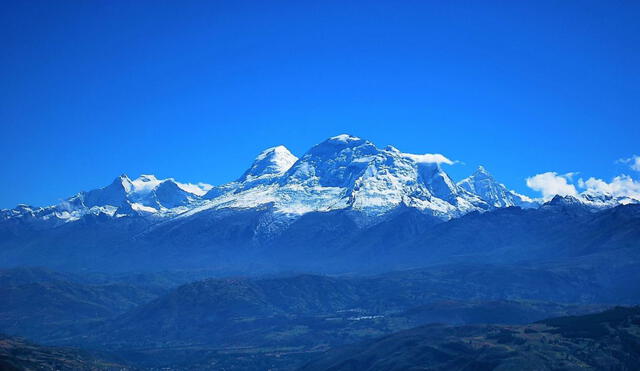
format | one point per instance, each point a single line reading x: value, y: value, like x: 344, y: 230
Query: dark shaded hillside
x: 279, y: 322
x: 567, y: 283
x: 553, y: 232
x: 221, y: 238
x: 83, y: 245
x: 459, y: 312
x: 272, y: 320
x: 39, y: 304
x: 335, y: 242
x: 608, y: 340
x: 17, y: 354
x: 26, y: 275
x: 218, y: 311
x: 255, y: 241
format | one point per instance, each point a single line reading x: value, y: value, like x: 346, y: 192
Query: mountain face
x: 495, y: 194
x: 271, y: 163
x: 145, y: 195
x: 344, y: 172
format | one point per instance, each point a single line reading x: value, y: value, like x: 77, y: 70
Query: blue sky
x: 194, y: 90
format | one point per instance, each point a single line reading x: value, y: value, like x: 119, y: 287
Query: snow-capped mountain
x: 270, y: 163
x: 342, y: 173
x: 601, y: 200
x: 343, y: 203
x: 496, y: 194
x: 345, y: 172
x: 145, y: 195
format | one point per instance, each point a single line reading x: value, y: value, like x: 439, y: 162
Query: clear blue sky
x: 194, y: 90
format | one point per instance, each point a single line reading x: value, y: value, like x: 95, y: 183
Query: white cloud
x: 633, y: 162
x: 431, y: 158
x: 551, y: 184
x: 620, y: 186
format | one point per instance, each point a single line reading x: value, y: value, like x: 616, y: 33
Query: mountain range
x: 342, y: 173
x: 345, y: 204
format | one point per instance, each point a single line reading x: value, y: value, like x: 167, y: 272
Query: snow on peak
x: 344, y: 138
x: 162, y: 197
x: 599, y: 199
x: 482, y: 170
x: 198, y: 189
x: 342, y: 172
x: 164, y: 194
x: 123, y: 181
x: 271, y: 162
x: 558, y: 200
x: 147, y: 178
x: 350, y: 172
x: 483, y: 184
x: 271, y: 151
x: 145, y: 183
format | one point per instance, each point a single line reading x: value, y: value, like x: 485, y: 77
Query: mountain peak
x: 563, y: 200
x: 340, y: 145
x: 145, y: 183
x: 391, y: 148
x: 345, y: 138
x: 147, y: 178
x: 481, y: 170
x: 113, y: 194
x: 340, y: 142
x: 483, y: 184
x: 480, y: 174
x: 569, y: 204
x: 275, y: 151
x: 123, y: 181
x: 273, y: 161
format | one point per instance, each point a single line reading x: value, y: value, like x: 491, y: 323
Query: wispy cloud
x: 633, y: 162
x: 430, y: 158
